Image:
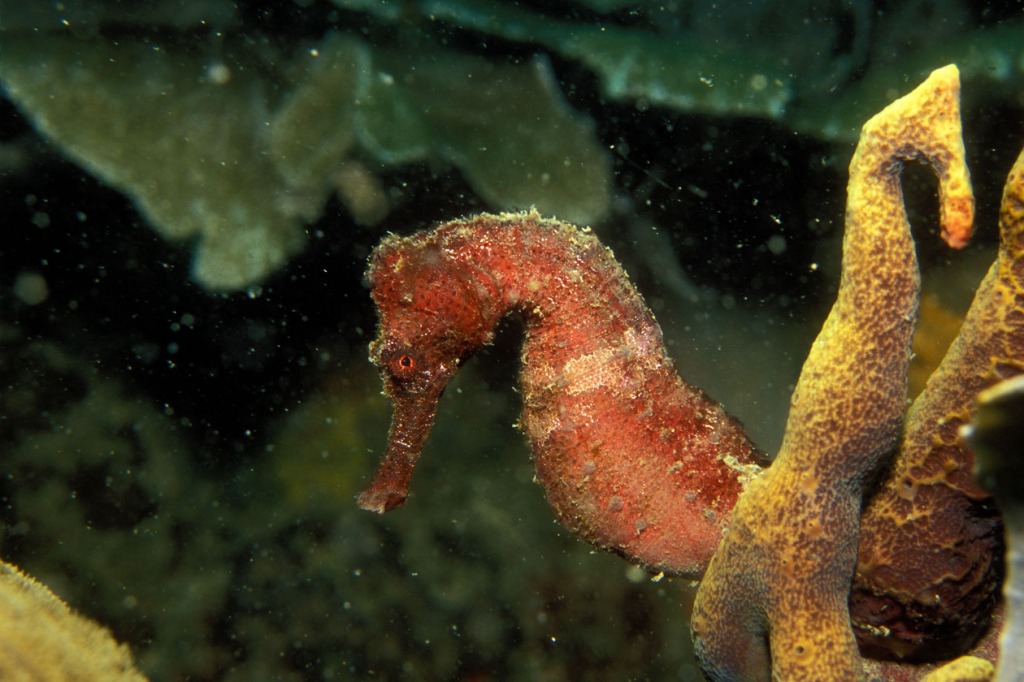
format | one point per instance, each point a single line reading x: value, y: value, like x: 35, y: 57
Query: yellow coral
x: 42, y: 640
x: 773, y: 603
x: 963, y: 669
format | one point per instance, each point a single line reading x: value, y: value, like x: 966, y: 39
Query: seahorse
x: 632, y: 459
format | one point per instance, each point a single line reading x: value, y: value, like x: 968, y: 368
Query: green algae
x: 663, y: 61
x: 238, y: 142
x: 678, y: 71
x: 161, y: 126
x: 208, y: 149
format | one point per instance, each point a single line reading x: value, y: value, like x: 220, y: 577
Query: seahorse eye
x: 402, y: 364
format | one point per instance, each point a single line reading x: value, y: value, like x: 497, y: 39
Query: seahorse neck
x: 575, y: 298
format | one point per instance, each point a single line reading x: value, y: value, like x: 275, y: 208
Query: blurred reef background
x: 190, y: 189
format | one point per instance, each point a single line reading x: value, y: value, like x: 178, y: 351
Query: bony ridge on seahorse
x: 633, y: 459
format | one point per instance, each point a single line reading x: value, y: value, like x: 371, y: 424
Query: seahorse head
x: 433, y: 313
x: 435, y: 310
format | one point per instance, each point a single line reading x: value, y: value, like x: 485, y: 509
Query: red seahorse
x: 632, y: 459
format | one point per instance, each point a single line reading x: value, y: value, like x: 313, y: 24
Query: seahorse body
x: 632, y: 459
